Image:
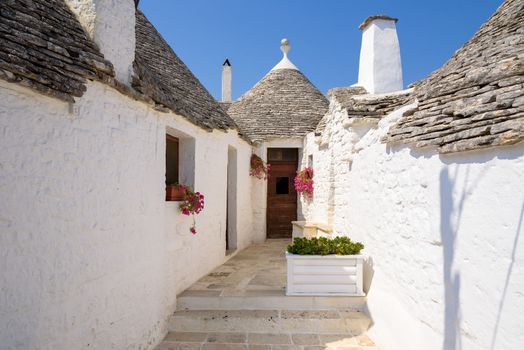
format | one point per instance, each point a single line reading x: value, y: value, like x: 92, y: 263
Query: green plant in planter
x: 324, y: 246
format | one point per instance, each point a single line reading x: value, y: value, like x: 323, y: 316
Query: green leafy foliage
x: 324, y: 246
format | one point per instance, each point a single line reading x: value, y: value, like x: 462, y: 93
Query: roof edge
x: 370, y: 19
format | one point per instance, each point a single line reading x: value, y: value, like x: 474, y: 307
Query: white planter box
x: 324, y: 275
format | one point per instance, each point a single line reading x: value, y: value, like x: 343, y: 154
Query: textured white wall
x: 331, y: 168
x: 192, y: 256
x: 443, y: 233
x: 91, y: 254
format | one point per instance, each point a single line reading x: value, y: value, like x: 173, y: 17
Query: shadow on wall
x: 450, y: 215
x: 448, y: 235
x: 508, y: 276
x: 368, y: 272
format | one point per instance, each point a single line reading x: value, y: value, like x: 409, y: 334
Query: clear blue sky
x: 324, y: 35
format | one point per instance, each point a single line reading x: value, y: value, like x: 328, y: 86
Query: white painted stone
x: 310, y: 229
x: 442, y: 233
x: 92, y: 255
x: 285, y: 63
x: 111, y: 24
x: 227, y: 82
x: 380, y: 68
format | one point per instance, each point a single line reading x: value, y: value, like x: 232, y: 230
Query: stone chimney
x: 380, y: 69
x: 226, y: 81
x: 111, y: 25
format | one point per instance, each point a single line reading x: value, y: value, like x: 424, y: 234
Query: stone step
x: 270, y: 321
x: 266, y: 300
x: 263, y: 341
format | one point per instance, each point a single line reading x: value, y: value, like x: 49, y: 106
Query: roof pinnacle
x: 285, y: 46
x: 285, y: 63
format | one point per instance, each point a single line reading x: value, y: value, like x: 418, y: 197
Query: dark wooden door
x: 281, y: 196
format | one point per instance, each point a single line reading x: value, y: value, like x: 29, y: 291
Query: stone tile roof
x: 476, y: 99
x: 365, y: 107
x: 162, y: 76
x: 370, y: 19
x: 44, y: 47
x: 283, y: 104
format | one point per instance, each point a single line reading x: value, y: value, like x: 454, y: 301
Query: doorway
x: 231, y: 202
x: 281, y: 193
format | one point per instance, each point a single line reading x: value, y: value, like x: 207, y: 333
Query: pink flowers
x: 192, y: 204
x: 304, y: 182
x: 259, y: 168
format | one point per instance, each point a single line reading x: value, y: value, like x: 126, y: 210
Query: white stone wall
x: 442, y: 232
x: 92, y: 255
x: 192, y: 256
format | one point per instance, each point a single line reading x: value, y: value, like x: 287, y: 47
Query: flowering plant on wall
x: 259, y: 168
x: 192, y: 204
x: 304, y: 182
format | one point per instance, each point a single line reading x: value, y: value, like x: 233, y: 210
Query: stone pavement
x: 242, y: 305
x: 259, y: 269
x: 264, y: 341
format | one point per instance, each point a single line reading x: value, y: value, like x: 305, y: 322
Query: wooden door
x: 281, y: 194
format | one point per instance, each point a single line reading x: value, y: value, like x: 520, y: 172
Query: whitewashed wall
x: 192, y: 256
x: 442, y: 232
x: 92, y: 256
x: 331, y: 168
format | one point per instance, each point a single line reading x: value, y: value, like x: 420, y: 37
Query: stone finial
x: 285, y: 46
x: 285, y: 63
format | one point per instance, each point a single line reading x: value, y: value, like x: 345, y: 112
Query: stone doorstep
x: 239, y: 307
x: 270, y: 321
x: 272, y: 341
x: 265, y: 300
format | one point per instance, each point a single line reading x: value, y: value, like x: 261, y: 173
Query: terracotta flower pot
x: 174, y: 193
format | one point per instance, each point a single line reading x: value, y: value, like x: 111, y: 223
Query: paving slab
x: 242, y: 305
x: 255, y: 278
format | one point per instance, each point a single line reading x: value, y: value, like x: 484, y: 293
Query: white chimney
x: 111, y: 25
x: 380, y: 68
x: 226, y: 81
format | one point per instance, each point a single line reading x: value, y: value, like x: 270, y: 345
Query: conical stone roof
x: 163, y: 77
x: 476, y: 99
x: 283, y: 104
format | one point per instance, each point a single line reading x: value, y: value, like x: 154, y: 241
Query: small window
x: 172, y: 168
x: 282, y: 184
x: 282, y: 154
x: 274, y: 154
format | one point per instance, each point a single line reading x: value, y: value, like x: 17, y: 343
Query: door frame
x: 295, y: 167
x: 231, y: 200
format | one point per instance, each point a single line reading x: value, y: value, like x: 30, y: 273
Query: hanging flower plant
x: 192, y: 204
x: 259, y: 168
x: 304, y: 182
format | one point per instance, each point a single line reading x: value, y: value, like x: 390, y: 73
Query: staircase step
x: 266, y: 300
x: 266, y: 341
x: 270, y: 321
